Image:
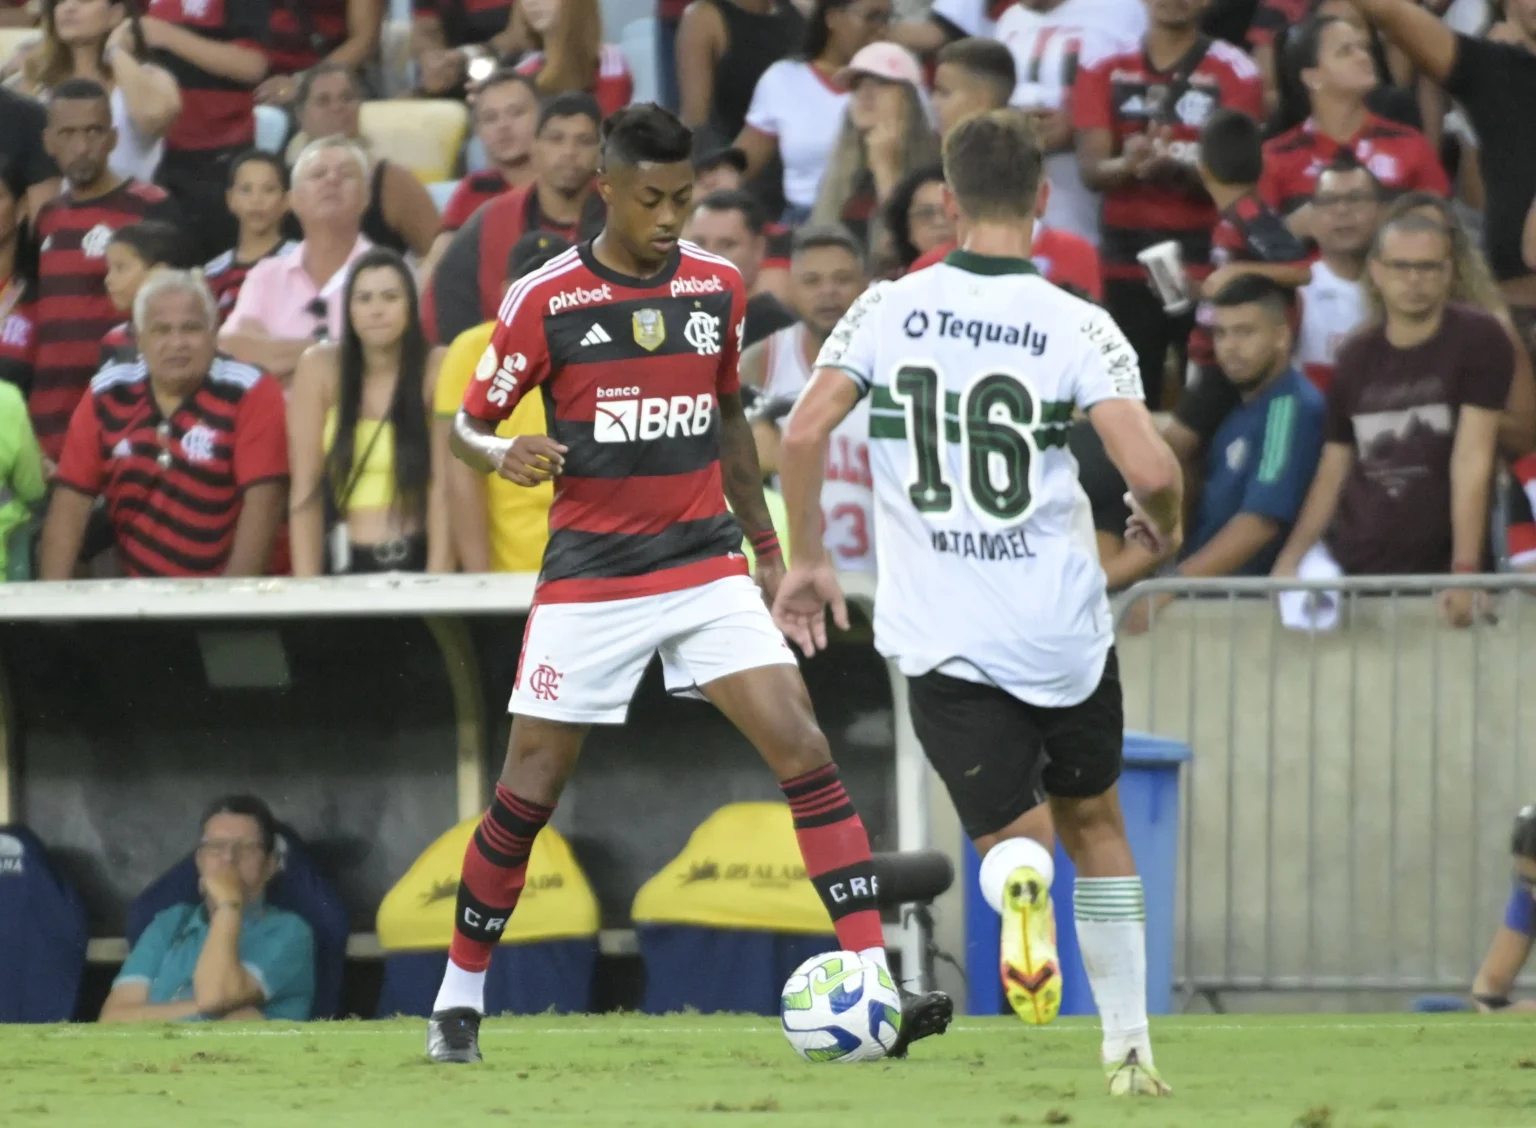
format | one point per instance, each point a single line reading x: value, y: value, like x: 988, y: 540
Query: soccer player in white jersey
x: 990, y: 596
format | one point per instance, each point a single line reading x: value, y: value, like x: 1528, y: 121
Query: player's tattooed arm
x: 739, y: 469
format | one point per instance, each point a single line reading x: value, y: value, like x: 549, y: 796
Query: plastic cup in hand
x: 1164, y: 263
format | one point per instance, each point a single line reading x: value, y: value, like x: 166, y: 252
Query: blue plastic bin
x: 1149, y: 796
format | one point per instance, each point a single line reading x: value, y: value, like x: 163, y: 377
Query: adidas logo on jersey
x: 596, y: 336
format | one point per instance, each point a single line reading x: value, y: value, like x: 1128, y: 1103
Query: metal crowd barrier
x: 1347, y: 814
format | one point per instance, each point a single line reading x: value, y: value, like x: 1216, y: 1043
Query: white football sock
x: 1007, y: 856
x: 1111, y: 933
x: 875, y: 956
x: 461, y: 989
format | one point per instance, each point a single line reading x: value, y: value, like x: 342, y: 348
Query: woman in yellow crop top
x: 364, y: 496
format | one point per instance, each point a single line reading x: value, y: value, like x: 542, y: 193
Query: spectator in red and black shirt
x: 17, y: 332
x: 506, y: 114
x: 303, y: 33
x: 1335, y: 64
x: 1138, y: 117
x: 213, y: 50
x: 466, y: 287
x: 452, y: 38
x: 188, y: 448
x: 1250, y: 238
x: 258, y: 199
x: 73, y: 311
x: 135, y: 253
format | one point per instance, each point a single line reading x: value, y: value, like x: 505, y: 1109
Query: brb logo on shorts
x: 623, y: 416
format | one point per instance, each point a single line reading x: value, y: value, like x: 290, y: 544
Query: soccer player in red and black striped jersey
x: 73, y: 311
x: 633, y: 340
x: 1336, y: 67
x: 189, y: 449
x: 213, y: 48
x: 1138, y: 117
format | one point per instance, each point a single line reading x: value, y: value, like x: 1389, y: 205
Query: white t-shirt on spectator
x: 797, y: 104
x: 1048, y: 48
x: 1331, y: 309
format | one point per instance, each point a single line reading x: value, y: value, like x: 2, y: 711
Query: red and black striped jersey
x: 632, y: 371
x: 173, y: 487
x: 225, y: 275
x: 475, y: 189
x: 18, y: 334
x: 303, y: 32
x: 119, y: 346
x: 72, y: 310
x: 466, y: 21
x: 216, y: 113
x: 1125, y: 94
x: 1249, y: 231
x: 1399, y: 156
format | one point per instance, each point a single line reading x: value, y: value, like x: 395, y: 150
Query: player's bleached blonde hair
x: 993, y: 164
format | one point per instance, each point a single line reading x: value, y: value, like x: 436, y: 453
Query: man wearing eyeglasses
x: 232, y: 956
x: 1412, y: 424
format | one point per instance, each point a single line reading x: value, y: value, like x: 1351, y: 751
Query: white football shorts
x: 581, y: 661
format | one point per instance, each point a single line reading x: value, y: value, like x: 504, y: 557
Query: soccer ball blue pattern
x: 840, y: 1007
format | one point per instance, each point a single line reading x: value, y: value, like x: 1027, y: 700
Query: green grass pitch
x: 1449, y: 1071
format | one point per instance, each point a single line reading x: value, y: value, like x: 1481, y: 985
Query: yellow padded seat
x: 424, y: 135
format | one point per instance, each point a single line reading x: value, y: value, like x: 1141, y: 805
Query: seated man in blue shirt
x: 1512, y: 942
x: 1260, y: 462
x: 232, y: 956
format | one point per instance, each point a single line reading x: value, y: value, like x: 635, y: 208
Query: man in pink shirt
x: 291, y: 301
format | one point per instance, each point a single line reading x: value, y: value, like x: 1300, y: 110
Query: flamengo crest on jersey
x: 985, y: 546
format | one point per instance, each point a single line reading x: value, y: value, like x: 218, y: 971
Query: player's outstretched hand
x: 800, y: 608
x: 1142, y: 530
x: 531, y: 459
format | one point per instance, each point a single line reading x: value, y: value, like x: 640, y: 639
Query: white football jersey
x: 1047, y: 48
x: 1331, y: 309
x: 987, y: 560
x: 847, y: 493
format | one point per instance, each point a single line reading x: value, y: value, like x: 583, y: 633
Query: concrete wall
x: 1349, y: 806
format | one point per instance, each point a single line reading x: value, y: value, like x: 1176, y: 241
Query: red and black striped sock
x: 495, y: 867
x: 836, y: 853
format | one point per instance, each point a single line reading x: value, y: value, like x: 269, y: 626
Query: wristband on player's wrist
x: 765, y: 544
x: 1465, y: 568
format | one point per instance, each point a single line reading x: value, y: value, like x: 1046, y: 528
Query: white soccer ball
x: 840, y: 1007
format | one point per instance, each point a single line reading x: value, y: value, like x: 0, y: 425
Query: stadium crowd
x: 1312, y: 220
x: 225, y: 354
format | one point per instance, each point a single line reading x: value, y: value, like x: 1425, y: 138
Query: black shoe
x: 453, y: 1036
x: 921, y: 1017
